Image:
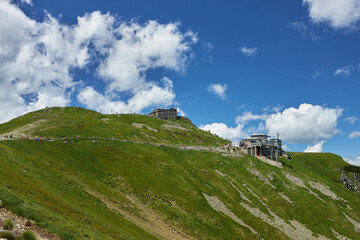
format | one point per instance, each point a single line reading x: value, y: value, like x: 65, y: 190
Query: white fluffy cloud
x: 143, y: 47
x: 354, y: 134
x: 311, y: 124
x: 318, y: 147
x: 224, y: 131
x: 337, y: 13
x: 251, y: 52
x: 152, y: 96
x: 353, y: 161
x: 306, y: 124
x: 37, y: 60
x: 218, y: 89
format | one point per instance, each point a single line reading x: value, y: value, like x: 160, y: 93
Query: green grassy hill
x: 108, y: 189
x: 59, y: 122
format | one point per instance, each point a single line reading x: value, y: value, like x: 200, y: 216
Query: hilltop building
x: 262, y: 145
x: 164, y: 113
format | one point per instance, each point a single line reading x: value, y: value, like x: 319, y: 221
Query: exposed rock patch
x: 219, y: 206
x: 350, y: 180
x: 295, y: 230
x: 325, y: 190
x: 140, y: 125
x: 285, y: 198
x: 354, y: 223
x: 261, y: 177
x: 174, y: 127
x: 242, y: 195
x: 297, y: 181
x: 339, y: 236
x: 255, y: 195
x: 220, y: 173
x: 270, y: 177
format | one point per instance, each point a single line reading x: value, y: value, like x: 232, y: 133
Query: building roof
x: 259, y: 135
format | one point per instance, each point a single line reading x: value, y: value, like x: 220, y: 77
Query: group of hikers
x: 41, y: 139
x: 25, y: 138
x: 7, y: 137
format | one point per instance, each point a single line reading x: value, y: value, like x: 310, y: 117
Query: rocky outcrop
x: 350, y: 180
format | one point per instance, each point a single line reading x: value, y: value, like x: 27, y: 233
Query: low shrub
x: 8, y: 224
x: 29, y: 235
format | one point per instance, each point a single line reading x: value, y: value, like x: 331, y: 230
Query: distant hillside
x: 59, y: 122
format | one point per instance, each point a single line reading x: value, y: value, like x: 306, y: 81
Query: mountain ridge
x: 104, y: 188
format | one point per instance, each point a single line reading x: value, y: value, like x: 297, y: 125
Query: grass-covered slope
x: 119, y: 190
x: 59, y: 122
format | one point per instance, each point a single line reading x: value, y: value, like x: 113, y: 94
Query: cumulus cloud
x: 37, y: 61
x: 350, y: 120
x: 345, y: 71
x: 152, y: 96
x: 354, y: 134
x: 222, y: 130
x: 250, y: 52
x: 306, y: 124
x: 338, y: 14
x: 310, y: 124
x: 352, y: 161
x: 218, y: 89
x: 143, y: 47
x: 318, y: 147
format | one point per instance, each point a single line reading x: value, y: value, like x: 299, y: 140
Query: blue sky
x: 234, y: 68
